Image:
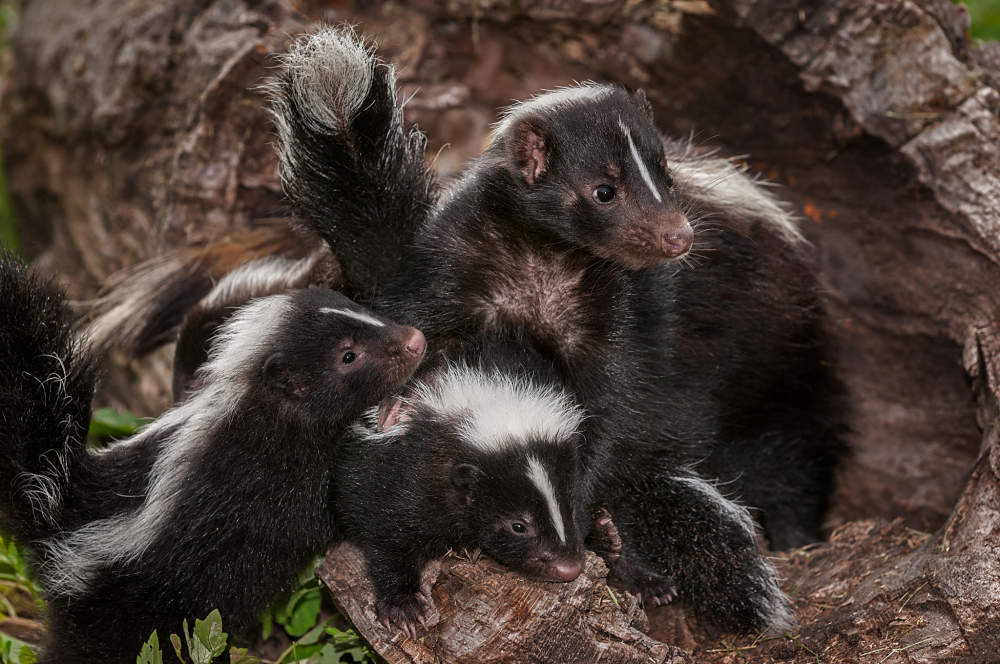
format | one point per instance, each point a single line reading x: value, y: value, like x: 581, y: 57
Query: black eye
x: 349, y: 357
x: 670, y: 180
x: 519, y: 528
x: 604, y: 193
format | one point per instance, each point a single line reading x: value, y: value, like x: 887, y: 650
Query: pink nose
x: 564, y: 570
x: 416, y: 344
x: 676, y: 242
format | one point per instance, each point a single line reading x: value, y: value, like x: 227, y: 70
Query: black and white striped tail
x: 353, y: 173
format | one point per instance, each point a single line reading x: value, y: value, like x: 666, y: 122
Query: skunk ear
x: 464, y: 477
x: 529, y: 150
x: 277, y: 378
x: 643, y: 103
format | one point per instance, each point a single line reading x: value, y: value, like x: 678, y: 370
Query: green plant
x: 13, y: 651
x: 14, y: 577
x: 106, y: 423
x: 317, y: 640
x: 985, y: 18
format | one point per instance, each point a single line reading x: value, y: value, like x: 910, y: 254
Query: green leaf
x: 240, y: 656
x: 267, y: 623
x: 176, y: 641
x: 302, y: 611
x: 209, y: 640
x: 302, y: 652
x: 26, y: 655
x: 16, y: 651
x: 150, y: 652
x: 107, y: 423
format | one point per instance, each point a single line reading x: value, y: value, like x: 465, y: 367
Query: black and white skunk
x: 476, y: 457
x: 564, y: 238
x: 670, y: 294
x: 220, y: 502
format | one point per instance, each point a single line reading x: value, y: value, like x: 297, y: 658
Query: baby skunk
x: 560, y: 238
x: 220, y: 502
x: 481, y: 458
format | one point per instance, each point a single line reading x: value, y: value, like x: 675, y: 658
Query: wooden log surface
x: 484, y: 614
x: 131, y: 127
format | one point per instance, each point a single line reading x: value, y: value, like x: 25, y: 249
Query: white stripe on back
x: 540, y: 478
x: 495, y: 411
x: 356, y: 315
x: 637, y: 158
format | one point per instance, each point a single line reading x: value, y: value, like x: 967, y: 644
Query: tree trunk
x: 133, y: 127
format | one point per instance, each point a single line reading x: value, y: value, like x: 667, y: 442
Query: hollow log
x: 133, y: 127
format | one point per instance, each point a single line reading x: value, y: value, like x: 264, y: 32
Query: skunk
x: 218, y: 503
x: 568, y: 237
x: 671, y: 295
x: 483, y: 458
x: 267, y: 275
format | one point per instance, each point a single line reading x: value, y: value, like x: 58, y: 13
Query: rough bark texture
x: 486, y: 615
x: 131, y: 127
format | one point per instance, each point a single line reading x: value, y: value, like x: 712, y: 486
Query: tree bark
x: 133, y: 127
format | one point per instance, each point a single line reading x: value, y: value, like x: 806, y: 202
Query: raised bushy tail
x: 353, y: 173
x: 47, y: 380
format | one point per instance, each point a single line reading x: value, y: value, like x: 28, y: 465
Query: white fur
x: 328, y: 74
x: 495, y: 411
x: 183, y: 429
x: 269, y: 274
x: 728, y: 186
x: 639, y: 163
x: 551, y: 100
x: 356, y: 315
x: 540, y: 478
x: 121, y: 315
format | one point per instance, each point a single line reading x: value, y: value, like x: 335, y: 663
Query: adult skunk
x: 220, y: 502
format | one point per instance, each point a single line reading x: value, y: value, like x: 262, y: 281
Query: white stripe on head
x: 640, y: 164
x: 180, y: 434
x: 551, y: 100
x: 495, y: 411
x: 540, y: 478
x: 356, y: 315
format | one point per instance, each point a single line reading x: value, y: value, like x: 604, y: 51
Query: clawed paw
x: 408, y: 614
x: 605, y: 540
x: 658, y: 592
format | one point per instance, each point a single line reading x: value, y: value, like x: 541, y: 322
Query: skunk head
x: 316, y: 352
x: 592, y: 165
x: 510, y: 458
x: 520, y: 506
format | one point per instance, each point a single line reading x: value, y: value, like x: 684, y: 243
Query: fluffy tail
x: 47, y: 381
x: 353, y: 173
x: 143, y: 306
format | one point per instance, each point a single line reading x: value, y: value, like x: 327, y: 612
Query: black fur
x: 249, y: 506
x: 437, y: 492
x: 368, y: 207
x: 719, y: 368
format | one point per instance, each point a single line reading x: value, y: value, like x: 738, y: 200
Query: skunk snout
x: 416, y: 343
x: 678, y: 238
x: 563, y: 569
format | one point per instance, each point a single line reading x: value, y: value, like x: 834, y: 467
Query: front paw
x: 405, y: 612
x: 649, y: 587
x: 604, y: 539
